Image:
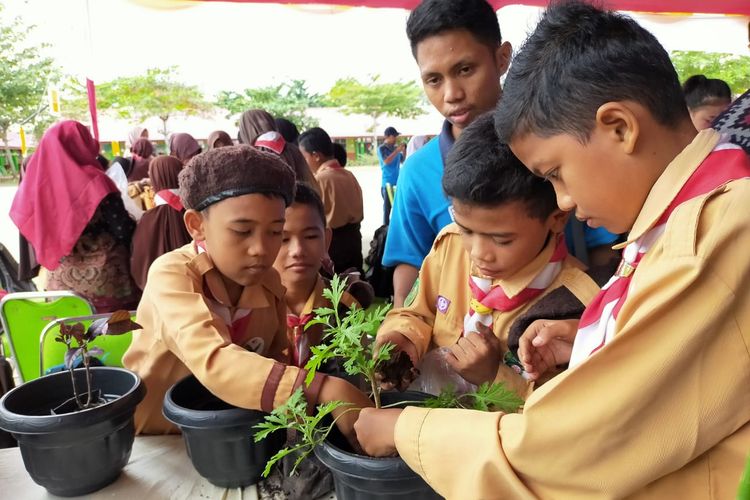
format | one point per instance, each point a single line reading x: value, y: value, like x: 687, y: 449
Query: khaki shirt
x: 314, y: 334
x: 185, y: 314
x: 444, y: 277
x: 342, y: 196
x: 660, y: 412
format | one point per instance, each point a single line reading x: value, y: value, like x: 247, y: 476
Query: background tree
x: 286, y: 100
x: 25, y: 75
x: 154, y: 93
x: 375, y: 99
x: 733, y: 69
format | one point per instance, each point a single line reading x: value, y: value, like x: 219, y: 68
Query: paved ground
x: 368, y: 177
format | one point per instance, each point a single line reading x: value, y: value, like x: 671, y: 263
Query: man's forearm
x: 404, y: 277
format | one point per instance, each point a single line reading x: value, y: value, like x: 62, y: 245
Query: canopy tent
x: 741, y: 7
x: 729, y: 7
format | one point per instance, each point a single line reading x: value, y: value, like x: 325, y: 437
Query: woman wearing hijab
x: 142, y: 151
x: 161, y: 229
x: 218, y: 139
x: 183, y: 147
x: 135, y: 134
x: 72, y: 215
x: 254, y: 123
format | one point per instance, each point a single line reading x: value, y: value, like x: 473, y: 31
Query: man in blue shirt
x: 391, y: 156
x: 461, y: 57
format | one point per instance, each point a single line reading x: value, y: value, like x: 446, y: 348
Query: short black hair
x: 306, y: 195
x: 578, y: 58
x: 701, y: 91
x: 287, y: 129
x: 316, y: 140
x: 339, y: 152
x: 432, y: 17
x: 480, y: 170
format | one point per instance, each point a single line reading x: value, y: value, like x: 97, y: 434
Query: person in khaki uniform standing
x: 655, y: 403
x: 215, y: 307
x: 342, y: 199
x: 496, y: 265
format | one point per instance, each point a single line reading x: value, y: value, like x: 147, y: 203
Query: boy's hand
x: 337, y: 389
x: 376, y: 431
x: 476, y: 356
x: 546, y: 344
x: 399, y: 371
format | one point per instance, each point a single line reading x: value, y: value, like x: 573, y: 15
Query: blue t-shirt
x: 420, y: 209
x: 390, y: 170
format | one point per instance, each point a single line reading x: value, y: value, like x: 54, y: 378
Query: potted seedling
x: 218, y: 436
x: 75, y: 428
x: 347, y: 337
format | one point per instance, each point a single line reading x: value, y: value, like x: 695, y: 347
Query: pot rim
x: 190, y: 418
x: 20, y: 423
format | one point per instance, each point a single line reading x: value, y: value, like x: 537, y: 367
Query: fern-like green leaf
x: 496, y: 397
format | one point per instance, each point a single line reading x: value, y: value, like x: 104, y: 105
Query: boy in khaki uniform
x: 342, y: 199
x: 215, y: 307
x: 304, y: 244
x: 497, y: 263
x: 655, y: 403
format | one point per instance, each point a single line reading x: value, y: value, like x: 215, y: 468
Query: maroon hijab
x: 161, y: 229
x: 142, y: 151
x: 61, y: 190
x: 183, y: 147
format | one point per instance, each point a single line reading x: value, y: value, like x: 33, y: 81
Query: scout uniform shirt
x: 442, y: 297
x: 662, y: 410
x: 237, y: 353
x: 301, y: 338
x: 342, y: 196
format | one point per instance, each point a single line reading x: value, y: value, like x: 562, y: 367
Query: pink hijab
x: 60, y: 192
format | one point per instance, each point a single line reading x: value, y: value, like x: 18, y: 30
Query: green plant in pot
x: 75, y: 428
x: 348, y: 337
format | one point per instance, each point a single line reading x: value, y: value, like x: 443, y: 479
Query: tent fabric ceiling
x: 741, y: 7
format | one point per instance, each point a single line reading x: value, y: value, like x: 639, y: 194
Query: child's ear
x: 194, y: 224
x: 502, y: 57
x: 328, y: 236
x: 619, y: 121
x: 557, y: 220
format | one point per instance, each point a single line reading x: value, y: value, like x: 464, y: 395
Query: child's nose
x: 564, y: 201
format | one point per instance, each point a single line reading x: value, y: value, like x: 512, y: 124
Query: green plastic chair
x: 25, y: 314
x: 52, y: 353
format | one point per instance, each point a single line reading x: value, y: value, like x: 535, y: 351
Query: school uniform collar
x: 520, y: 281
x: 332, y: 164
x: 670, y: 182
x: 252, y: 297
x: 313, y: 301
x: 446, y: 140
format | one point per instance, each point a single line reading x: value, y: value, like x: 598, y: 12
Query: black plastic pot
x: 219, y: 436
x: 80, y: 452
x: 359, y: 477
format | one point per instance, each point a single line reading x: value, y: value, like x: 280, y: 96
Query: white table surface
x: 159, y: 469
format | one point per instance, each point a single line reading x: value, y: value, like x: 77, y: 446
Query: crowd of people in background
x: 101, y: 228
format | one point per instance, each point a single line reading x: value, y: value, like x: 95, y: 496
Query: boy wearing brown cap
x: 215, y: 307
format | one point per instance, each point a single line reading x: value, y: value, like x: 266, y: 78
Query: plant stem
x: 375, y: 389
x: 88, y: 377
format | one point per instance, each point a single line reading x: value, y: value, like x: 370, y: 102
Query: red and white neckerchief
x: 169, y: 197
x: 238, y: 321
x: 597, y: 327
x: 300, y: 343
x: 486, y: 298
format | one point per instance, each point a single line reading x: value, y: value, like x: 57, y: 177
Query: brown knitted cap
x: 223, y: 173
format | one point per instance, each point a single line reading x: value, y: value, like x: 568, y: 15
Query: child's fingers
x: 488, y: 335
